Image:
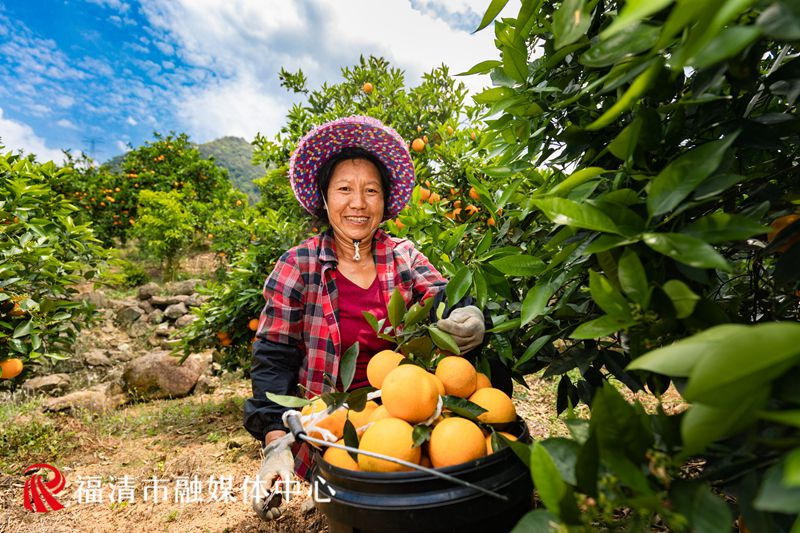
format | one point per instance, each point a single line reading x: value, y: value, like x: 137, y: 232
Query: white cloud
x: 116, y: 5
x: 122, y: 146
x: 18, y: 136
x: 131, y: 121
x: 66, y: 123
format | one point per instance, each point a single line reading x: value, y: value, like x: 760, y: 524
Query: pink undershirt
x: 354, y: 327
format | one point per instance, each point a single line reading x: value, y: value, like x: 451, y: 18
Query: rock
x: 129, y: 314
x: 122, y: 353
x: 147, y: 306
x: 97, y: 358
x: 99, y: 398
x: 140, y: 328
x: 176, y: 311
x: 147, y: 291
x: 158, y: 375
x: 51, y: 384
x: 193, y: 301
x: 185, y: 320
x: 165, y: 301
x: 169, y: 344
x: 182, y: 287
x: 206, y: 384
x: 163, y: 329
x: 156, y: 317
x: 96, y: 298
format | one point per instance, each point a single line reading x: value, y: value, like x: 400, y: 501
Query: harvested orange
x: 408, y: 393
x: 458, y: 376
x: 339, y: 458
x: 489, y: 449
x: 454, y: 441
x: 499, y: 407
x: 483, y: 381
x: 381, y: 364
x: 392, y: 437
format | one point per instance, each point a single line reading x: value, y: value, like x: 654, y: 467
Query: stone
x: 96, y: 298
x: 129, y: 314
x: 147, y: 291
x: 50, y: 384
x: 99, y: 398
x: 122, y: 353
x: 140, y: 328
x: 163, y: 329
x: 169, y: 344
x: 156, y: 317
x: 176, y: 311
x: 158, y: 375
x: 206, y: 384
x: 97, y: 358
x: 185, y: 320
x: 146, y: 306
x: 165, y: 301
x: 186, y: 286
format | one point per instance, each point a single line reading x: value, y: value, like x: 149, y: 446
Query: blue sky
x: 95, y: 75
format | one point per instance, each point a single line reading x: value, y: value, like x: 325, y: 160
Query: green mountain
x: 231, y: 153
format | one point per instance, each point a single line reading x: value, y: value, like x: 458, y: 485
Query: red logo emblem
x: 39, y: 494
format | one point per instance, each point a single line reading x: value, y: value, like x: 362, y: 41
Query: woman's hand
x: 465, y: 325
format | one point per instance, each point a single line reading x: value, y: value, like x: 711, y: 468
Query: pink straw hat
x: 326, y: 140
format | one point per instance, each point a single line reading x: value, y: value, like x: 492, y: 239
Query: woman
x: 353, y: 174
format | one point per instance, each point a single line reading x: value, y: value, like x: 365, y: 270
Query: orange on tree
x: 424, y: 194
x: 490, y: 221
x: 474, y: 194
x: 434, y: 197
x: 340, y: 458
x: 456, y: 440
x: 408, y: 393
x: 450, y: 130
x: 253, y: 324
x: 778, y: 225
x: 399, y: 224
x: 499, y: 407
x: 489, y: 449
x: 471, y: 209
x: 367, y: 87
x: 418, y: 145
x: 381, y: 364
x: 458, y: 376
x: 11, y: 368
x: 392, y: 437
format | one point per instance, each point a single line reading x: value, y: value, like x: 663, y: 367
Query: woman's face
x: 355, y: 199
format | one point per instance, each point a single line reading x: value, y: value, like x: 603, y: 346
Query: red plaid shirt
x: 302, y: 309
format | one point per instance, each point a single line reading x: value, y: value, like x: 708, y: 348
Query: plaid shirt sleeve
x: 427, y: 280
x: 282, y: 318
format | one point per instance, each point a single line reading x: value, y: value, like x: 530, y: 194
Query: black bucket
x: 371, y: 502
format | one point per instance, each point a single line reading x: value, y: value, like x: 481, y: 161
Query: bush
x: 165, y: 228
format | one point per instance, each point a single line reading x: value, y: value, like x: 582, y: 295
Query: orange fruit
x: 381, y: 364
x: 490, y: 221
x: 226, y: 341
x: 399, y: 224
x: 11, y: 368
x: 471, y: 209
x: 253, y: 324
x: 408, y: 393
x: 362, y: 418
x: 339, y: 458
x: 334, y: 422
x: 450, y: 130
x: 472, y: 135
x: 457, y: 204
x: 454, y: 441
x: 489, y: 449
x: 418, y: 145
x: 433, y: 198
x: 474, y: 194
x: 778, y: 226
x: 499, y: 407
x: 379, y: 413
x: 438, y: 383
x: 483, y: 381
x: 458, y: 376
x: 367, y: 87
x: 425, y: 139
x: 392, y: 437
x: 424, y: 194
x: 222, y: 335
x: 16, y: 310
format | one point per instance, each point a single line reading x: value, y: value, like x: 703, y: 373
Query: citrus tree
x: 668, y: 130
x: 43, y: 254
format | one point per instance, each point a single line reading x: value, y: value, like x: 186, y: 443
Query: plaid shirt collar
x: 382, y: 246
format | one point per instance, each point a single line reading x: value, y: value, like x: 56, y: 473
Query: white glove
x: 465, y: 325
x: 278, y: 464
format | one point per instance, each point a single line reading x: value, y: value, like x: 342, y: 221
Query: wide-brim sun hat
x: 327, y: 140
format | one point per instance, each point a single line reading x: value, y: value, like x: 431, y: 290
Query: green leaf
x: 607, y: 242
x: 791, y: 471
x: 463, y: 407
x: 421, y: 434
x: 458, y: 285
x: 578, y: 177
x: 22, y: 329
x: 624, y: 144
x: 489, y: 96
x: 396, y: 308
x: 416, y: 313
x: 633, y: 278
x: 721, y: 227
x: 547, y: 479
x: 443, y: 340
x: 678, y: 359
x: 608, y: 298
x: 519, y: 265
x: 686, y: 249
x: 569, y: 213
x: 788, y: 418
x: 564, y: 453
x: 532, y: 350
x: 372, y: 320
x: 507, y: 325
x: 683, y: 298
x: 635, y: 92
x: 536, y: 300
x: 774, y: 495
x: 288, y: 401
x: 747, y: 358
x: 350, y: 437
x: 483, y: 67
x: 628, y: 42
x: 682, y: 176
x: 537, y: 521
x: 619, y: 426
x: 492, y: 11
x: 730, y: 42
x: 347, y: 366
x: 570, y: 22
x: 633, y: 12
x: 515, y: 63
x: 779, y: 21
x: 600, y: 327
